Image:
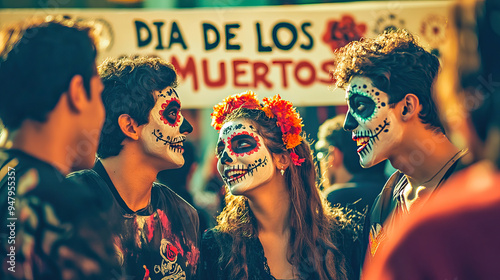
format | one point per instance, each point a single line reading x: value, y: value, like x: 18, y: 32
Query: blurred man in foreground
x: 456, y: 235
x: 51, y: 105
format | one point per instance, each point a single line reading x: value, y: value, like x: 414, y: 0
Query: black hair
x: 38, y: 59
x: 397, y: 65
x: 129, y: 83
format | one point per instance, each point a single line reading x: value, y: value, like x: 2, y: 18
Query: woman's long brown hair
x: 312, y: 221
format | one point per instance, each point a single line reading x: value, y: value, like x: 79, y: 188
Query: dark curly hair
x: 128, y: 86
x: 397, y: 65
x: 314, y: 224
x: 38, y: 59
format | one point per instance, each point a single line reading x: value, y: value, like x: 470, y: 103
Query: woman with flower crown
x: 275, y: 224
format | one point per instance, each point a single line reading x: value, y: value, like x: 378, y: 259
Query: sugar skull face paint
x: 374, y: 125
x: 166, y: 131
x: 244, y: 161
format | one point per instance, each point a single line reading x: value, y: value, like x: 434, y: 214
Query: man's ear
x: 77, y: 95
x: 128, y: 126
x: 282, y: 161
x: 410, y: 107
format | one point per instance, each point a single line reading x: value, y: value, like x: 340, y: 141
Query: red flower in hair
x: 287, y: 119
x: 295, y: 159
x: 243, y: 100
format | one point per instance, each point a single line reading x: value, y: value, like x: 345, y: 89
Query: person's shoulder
x: 210, y: 234
x: 30, y: 170
x: 463, y: 210
x: 92, y: 181
x: 83, y: 176
x: 347, y: 235
x: 467, y: 190
x: 215, y: 240
x: 38, y: 183
x: 10, y: 159
x: 214, y: 233
x: 37, y: 178
x: 472, y: 192
x: 13, y: 157
x: 347, y: 224
x: 173, y: 197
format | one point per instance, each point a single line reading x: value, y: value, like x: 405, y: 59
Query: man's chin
x: 173, y: 163
x: 366, y: 162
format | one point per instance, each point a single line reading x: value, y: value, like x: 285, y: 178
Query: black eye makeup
x: 171, y: 112
x: 243, y: 143
x: 362, y: 106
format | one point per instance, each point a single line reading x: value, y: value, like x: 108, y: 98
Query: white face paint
x: 374, y: 125
x: 166, y: 131
x: 244, y: 162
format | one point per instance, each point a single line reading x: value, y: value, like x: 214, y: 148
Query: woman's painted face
x: 244, y: 161
x: 164, y: 135
x: 374, y: 125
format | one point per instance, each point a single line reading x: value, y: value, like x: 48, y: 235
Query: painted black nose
x: 350, y: 122
x: 186, y: 127
x: 225, y: 158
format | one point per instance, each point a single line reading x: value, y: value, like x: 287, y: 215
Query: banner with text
x: 277, y: 49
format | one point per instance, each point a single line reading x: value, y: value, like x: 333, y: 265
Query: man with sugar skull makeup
x: 388, y: 82
x: 156, y: 232
x: 456, y: 235
x: 276, y: 224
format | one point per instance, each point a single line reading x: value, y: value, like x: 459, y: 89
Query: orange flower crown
x: 287, y: 117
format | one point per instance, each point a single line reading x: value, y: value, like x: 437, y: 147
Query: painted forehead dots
x: 368, y: 92
x: 371, y: 91
x: 228, y: 129
x: 168, y: 92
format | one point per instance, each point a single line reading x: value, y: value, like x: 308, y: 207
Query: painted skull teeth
x: 177, y: 146
x: 235, y: 174
x: 368, y: 138
x: 361, y: 142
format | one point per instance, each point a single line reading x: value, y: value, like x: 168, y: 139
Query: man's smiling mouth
x: 361, y: 142
x: 175, y: 144
x: 368, y: 138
